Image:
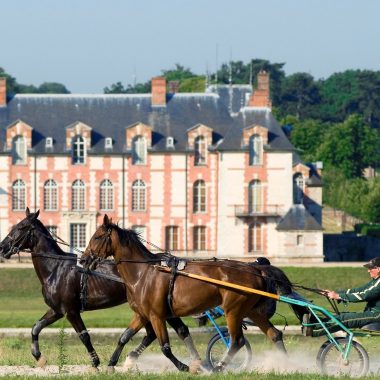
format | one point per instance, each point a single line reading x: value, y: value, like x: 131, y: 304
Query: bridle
x: 106, y: 242
x: 16, y: 244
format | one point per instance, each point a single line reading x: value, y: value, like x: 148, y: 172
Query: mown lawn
x: 21, y: 301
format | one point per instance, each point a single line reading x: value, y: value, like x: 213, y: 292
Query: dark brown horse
x: 61, y: 287
x: 153, y: 299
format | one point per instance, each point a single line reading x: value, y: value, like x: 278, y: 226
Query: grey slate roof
x: 109, y: 115
x: 298, y: 218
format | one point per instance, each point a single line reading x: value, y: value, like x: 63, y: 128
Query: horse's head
x: 104, y: 242
x: 19, y: 237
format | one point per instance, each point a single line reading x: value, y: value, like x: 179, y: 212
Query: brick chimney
x: 3, y: 92
x: 159, y: 91
x: 260, y: 96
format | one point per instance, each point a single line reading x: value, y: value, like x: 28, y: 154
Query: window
x: 139, y: 150
x: 77, y: 236
x: 106, y: 195
x: 108, y: 143
x: 78, y: 195
x: 255, y: 237
x: 141, y: 231
x: 199, y: 196
x: 255, y: 201
x: 169, y: 142
x: 49, y: 142
x: 255, y: 150
x: 50, y: 195
x: 200, y: 151
x: 171, y: 241
x: 18, y: 196
x: 138, y: 196
x: 19, y: 151
x: 299, y: 240
x: 53, y: 230
x: 298, y: 188
x: 199, y: 238
x: 79, y: 150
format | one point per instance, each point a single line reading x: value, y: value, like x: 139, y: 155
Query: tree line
x: 335, y: 120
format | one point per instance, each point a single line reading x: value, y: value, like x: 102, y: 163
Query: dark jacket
x: 369, y: 293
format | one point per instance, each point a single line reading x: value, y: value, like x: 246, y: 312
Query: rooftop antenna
x: 134, y: 76
x: 250, y: 73
x: 216, y: 64
x: 230, y: 73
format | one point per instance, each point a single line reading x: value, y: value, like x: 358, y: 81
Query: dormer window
x: 139, y: 150
x: 19, y: 150
x: 169, y: 142
x: 78, y: 150
x: 108, y: 143
x: 255, y: 150
x: 49, y: 142
x: 200, y: 151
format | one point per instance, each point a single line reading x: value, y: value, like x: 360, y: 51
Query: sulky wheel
x: 331, y: 362
x: 217, y: 349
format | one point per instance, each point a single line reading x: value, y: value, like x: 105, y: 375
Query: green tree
x: 52, y: 88
x: 350, y: 146
x: 300, y: 96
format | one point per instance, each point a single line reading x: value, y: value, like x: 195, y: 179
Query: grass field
x: 21, y: 304
x: 21, y: 301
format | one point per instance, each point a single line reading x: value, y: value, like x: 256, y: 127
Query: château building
x: 200, y: 174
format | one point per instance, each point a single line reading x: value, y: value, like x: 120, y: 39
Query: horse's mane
x: 41, y: 228
x: 131, y: 238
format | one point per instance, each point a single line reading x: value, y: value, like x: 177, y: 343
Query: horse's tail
x: 279, y: 281
x: 277, y: 278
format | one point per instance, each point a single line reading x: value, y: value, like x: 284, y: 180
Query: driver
x: 370, y: 293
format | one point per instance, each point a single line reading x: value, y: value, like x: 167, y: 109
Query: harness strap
x: 99, y: 274
x: 83, y: 289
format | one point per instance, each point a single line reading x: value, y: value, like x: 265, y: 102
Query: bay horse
x: 154, y: 297
x: 61, y: 288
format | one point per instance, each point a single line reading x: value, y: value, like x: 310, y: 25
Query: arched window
x: 298, y: 188
x: 200, y: 150
x: 19, y: 150
x: 78, y: 195
x: 199, y: 238
x: 78, y: 150
x: 106, y: 195
x: 139, y: 150
x: 138, y: 196
x: 18, y: 196
x: 50, y: 195
x: 255, y: 150
x: 255, y: 201
x: 199, y: 196
x: 255, y: 237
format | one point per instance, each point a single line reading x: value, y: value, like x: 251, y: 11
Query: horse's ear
x: 106, y: 220
x: 27, y: 211
x: 36, y: 214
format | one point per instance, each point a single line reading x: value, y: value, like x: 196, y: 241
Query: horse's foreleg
x: 263, y: 323
x: 161, y: 331
x: 147, y: 340
x: 50, y: 317
x: 135, y: 326
x: 76, y: 321
x: 183, y: 332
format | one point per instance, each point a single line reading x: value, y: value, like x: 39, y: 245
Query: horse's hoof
x: 129, y: 364
x: 41, y: 362
x: 218, y: 369
x: 195, y: 366
x: 110, y: 369
x: 184, y: 368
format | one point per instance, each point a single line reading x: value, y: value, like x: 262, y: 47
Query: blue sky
x: 90, y: 44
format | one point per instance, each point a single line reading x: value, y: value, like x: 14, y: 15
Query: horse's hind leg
x: 50, y: 317
x: 269, y: 330
x: 161, y: 331
x: 184, y: 334
x: 76, y: 321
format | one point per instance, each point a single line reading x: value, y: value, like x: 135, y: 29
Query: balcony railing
x: 258, y: 210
